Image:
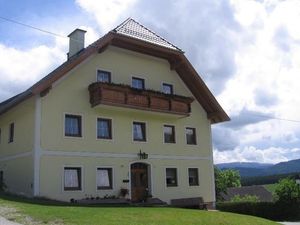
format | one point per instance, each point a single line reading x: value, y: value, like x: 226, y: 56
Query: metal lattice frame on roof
x: 133, y: 29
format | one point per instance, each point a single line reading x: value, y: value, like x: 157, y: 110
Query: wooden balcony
x: 125, y: 96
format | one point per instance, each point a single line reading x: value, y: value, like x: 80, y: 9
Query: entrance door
x: 139, y: 182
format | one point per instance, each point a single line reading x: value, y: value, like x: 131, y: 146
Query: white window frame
x: 112, y: 130
x: 112, y: 179
x: 167, y: 83
x: 188, y: 176
x: 196, y: 136
x: 163, y: 133
x: 82, y: 125
x: 105, y: 70
x: 177, y: 176
x: 146, y: 131
x: 63, y: 178
x: 138, y: 77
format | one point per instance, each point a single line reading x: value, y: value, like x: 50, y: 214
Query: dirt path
x: 4, y: 221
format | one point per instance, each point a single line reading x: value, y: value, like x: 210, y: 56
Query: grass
x: 37, y: 212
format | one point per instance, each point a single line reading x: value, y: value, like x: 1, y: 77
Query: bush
x: 288, y: 191
x: 246, y: 198
x: 269, y: 210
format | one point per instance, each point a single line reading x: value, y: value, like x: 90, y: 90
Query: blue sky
x: 247, y: 52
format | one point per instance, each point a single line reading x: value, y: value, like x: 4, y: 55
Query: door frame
x: 150, y: 177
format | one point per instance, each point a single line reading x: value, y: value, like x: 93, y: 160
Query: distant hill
x: 243, y: 165
x: 258, y: 169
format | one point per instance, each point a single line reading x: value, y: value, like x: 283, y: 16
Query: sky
x: 246, y: 51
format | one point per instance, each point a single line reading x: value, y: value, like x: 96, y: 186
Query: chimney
x: 76, y: 42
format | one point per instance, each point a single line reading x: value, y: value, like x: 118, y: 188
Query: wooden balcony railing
x: 125, y: 96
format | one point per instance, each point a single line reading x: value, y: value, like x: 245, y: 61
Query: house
x: 127, y: 112
x: 256, y: 190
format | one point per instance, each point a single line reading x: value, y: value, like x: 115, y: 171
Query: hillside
x: 258, y: 169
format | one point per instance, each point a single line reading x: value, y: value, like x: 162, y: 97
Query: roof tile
x: 133, y: 29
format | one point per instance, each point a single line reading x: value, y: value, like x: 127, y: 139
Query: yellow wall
x: 23, y: 117
x: 18, y: 175
x: 16, y: 159
x: 70, y: 95
x: 52, y: 186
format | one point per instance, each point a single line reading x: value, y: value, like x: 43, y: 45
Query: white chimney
x: 76, y: 42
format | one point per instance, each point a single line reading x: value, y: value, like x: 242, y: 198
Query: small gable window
x: 167, y: 88
x: 138, y: 83
x: 103, y: 76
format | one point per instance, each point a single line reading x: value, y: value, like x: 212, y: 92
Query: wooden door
x: 139, y: 182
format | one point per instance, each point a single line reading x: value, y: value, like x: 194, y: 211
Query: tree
x: 225, y: 179
x: 288, y: 191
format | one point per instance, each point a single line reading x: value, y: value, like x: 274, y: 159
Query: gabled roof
x: 135, y: 37
x: 133, y: 29
x: 260, y: 191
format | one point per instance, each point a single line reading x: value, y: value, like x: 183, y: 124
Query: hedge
x: 269, y: 210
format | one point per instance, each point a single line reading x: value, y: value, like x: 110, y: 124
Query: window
x: 171, y: 177
x: 169, y: 134
x: 103, y: 76
x: 190, y: 136
x: 11, y: 132
x: 193, y: 177
x: 73, y: 125
x: 72, y: 178
x: 104, y: 178
x: 104, y: 128
x: 139, y: 131
x: 138, y: 83
x: 167, y: 88
x: 2, y: 184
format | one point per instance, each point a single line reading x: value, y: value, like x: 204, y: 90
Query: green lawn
x: 36, y: 212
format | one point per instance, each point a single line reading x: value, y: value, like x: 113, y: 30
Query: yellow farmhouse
x: 128, y: 113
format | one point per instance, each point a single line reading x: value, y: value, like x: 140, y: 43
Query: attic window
x: 167, y: 88
x: 103, y: 76
x: 138, y: 83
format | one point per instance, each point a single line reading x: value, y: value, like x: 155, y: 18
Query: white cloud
x: 105, y: 12
x: 21, y: 68
x: 253, y: 154
x: 268, y: 59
